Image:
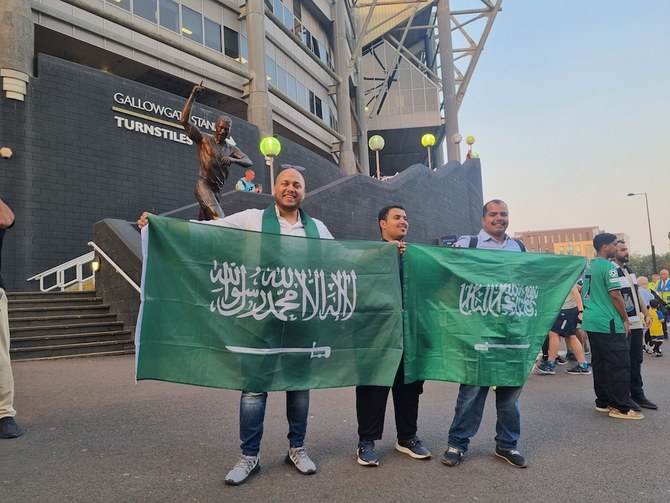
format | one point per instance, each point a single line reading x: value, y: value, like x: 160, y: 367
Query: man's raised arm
x: 185, y: 117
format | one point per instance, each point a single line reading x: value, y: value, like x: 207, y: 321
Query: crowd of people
x: 624, y: 317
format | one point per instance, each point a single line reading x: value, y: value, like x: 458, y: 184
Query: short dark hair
x: 602, y: 239
x: 384, y: 212
x: 654, y: 303
x: 620, y: 242
x: 495, y: 201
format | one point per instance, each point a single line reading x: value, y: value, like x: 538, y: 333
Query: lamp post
x: 470, y: 140
x: 651, y: 240
x: 376, y: 143
x: 428, y: 140
x: 270, y: 148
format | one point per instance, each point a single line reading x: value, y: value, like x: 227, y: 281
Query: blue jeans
x: 469, y: 411
x: 252, y: 414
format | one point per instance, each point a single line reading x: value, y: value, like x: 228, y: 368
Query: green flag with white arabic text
x: 261, y: 312
x: 480, y: 317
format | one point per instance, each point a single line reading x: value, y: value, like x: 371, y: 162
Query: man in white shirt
x: 287, y: 218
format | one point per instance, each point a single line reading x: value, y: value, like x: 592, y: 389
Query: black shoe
x: 646, y: 403
x: 365, y: 454
x: 634, y: 406
x: 571, y: 357
x: 513, y: 457
x: 560, y: 360
x: 9, y: 428
x: 452, y: 456
x: 413, y: 447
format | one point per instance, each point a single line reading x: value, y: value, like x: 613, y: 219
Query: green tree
x: 642, y: 266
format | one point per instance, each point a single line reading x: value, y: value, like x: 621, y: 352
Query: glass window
x: 315, y: 47
x: 268, y: 4
x: 311, y: 101
x: 124, y: 4
x: 288, y: 18
x: 307, y: 38
x: 281, y: 79
x: 278, y: 9
x: 292, y: 86
x: 145, y: 9
x: 271, y: 70
x: 531, y: 240
x: 297, y: 9
x: 318, y: 108
x: 323, y: 53
x: 303, y: 97
x: 191, y: 24
x: 169, y: 15
x: 213, y: 35
x: 231, y: 42
x: 244, y: 50
x: 326, y: 113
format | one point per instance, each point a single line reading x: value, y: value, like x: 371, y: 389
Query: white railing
x: 114, y: 265
x: 59, y: 274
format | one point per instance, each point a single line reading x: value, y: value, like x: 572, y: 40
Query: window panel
x: 271, y: 71
x: 281, y: 79
x: 145, y: 9
x: 191, y: 24
x: 231, y: 42
x: 213, y: 35
x: 169, y: 15
x: 292, y: 86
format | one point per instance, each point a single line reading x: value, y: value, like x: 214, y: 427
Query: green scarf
x: 271, y: 222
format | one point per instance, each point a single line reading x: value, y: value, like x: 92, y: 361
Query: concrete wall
x: 72, y: 165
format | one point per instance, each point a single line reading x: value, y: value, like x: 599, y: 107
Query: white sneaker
x: 297, y: 456
x: 246, y: 466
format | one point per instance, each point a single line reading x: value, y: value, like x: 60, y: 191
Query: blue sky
x: 570, y: 108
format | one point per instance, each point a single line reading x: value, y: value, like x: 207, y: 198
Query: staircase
x: 46, y: 326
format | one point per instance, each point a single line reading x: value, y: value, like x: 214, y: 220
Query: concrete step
x: 73, y: 328
x: 53, y: 296
x: 60, y: 310
x: 65, y: 320
x: 57, y: 339
x: 52, y: 301
x: 65, y: 350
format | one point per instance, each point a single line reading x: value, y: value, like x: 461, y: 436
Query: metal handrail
x: 60, y: 271
x: 114, y: 265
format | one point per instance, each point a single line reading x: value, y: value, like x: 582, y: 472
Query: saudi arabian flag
x: 480, y: 317
x: 262, y: 312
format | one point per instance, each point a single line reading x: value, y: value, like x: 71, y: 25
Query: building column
x: 363, y: 158
x: 17, y: 40
x: 259, y: 111
x: 448, y: 79
x: 347, y: 159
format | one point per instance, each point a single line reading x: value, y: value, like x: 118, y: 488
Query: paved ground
x: 92, y: 434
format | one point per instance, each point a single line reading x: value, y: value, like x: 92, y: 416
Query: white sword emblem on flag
x: 315, y: 352
x: 486, y: 346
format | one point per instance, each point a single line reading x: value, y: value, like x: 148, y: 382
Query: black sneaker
x: 413, y: 447
x: 9, y: 428
x: 513, y: 457
x: 452, y: 456
x: 579, y: 370
x: 365, y: 454
x: 646, y: 403
x: 560, y: 360
x: 545, y: 368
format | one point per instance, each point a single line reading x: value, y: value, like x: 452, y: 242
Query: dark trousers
x: 371, y: 408
x: 610, y: 361
x: 636, y: 336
